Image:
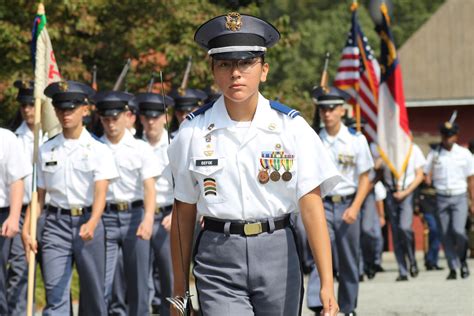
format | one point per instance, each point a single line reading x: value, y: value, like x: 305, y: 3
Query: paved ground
x: 429, y: 294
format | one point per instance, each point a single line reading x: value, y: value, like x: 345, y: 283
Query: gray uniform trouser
x: 345, y: 243
x: 400, y: 215
x: 4, y: 247
x: 371, y: 233
x: 255, y: 275
x: 452, y: 217
x: 161, y: 263
x: 61, y: 247
x: 120, y: 230
x: 17, y: 274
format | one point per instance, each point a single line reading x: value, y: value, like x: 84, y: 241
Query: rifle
x: 122, y: 76
x: 184, y: 83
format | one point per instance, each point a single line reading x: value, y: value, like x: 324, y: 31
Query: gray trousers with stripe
x: 452, y: 212
x: 400, y: 215
x: 345, y: 244
x: 256, y: 275
x: 371, y: 233
x: 121, y: 229
x: 4, y: 247
x: 62, y: 246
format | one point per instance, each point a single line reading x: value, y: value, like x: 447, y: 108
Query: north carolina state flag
x: 394, y: 136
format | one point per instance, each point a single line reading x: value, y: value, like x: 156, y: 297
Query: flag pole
x: 354, y: 7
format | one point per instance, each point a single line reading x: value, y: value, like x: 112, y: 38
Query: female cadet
x: 245, y: 163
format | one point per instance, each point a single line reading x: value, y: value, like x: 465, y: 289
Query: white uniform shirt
x: 164, y: 187
x: 136, y: 163
x: 450, y: 169
x: 14, y: 164
x: 380, y: 191
x: 214, y: 169
x: 416, y: 160
x: 351, y: 154
x: 26, y: 137
x: 68, y: 169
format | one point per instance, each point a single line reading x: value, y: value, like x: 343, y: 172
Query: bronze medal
x: 275, y: 176
x: 286, y: 176
x: 263, y: 176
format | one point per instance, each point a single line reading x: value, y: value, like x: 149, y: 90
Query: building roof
x: 438, y: 59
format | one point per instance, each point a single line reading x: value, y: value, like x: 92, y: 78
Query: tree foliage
x: 158, y: 35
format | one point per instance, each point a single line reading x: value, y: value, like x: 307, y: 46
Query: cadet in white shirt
x: 246, y: 163
x: 350, y: 152
x: 14, y: 167
x: 129, y: 215
x: 449, y: 169
x: 17, y: 271
x: 399, y: 204
x: 152, y: 116
x: 74, y: 169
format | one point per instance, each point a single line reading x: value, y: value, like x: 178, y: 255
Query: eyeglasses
x: 243, y: 65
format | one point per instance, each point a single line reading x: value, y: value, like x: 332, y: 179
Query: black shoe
x: 378, y: 268
x: 452, y: 275
x: 361, y: 278
x: 414, y: 271
x: 431, y: 267
x: 401, y: 278
x: 464, y: 270
x: 353, y: 313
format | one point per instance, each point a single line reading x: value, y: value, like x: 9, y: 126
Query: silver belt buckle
x: 252, y: 229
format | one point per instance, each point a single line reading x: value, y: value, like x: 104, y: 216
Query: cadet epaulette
x: 284, y: 109
x: 200, y: 111
x: 97, y: 138
x: 52, y: 137
x: 353, y: 131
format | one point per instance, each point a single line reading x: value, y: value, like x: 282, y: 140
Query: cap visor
x: 151, y: 113
x: 237, y: 55
x: 110, y: 113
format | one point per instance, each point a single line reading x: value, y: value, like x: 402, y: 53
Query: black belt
x: 125, y: 206
x: 244, y: 228
x: 5, y: 209
x: 75, y: 211
x: 338, y: 198
x: 165, y: 210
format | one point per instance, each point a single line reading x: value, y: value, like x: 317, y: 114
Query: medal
x: 275, y: 164
x: 286, y: 176
x: 263, y: 176
x: 287, y: 163
x: 275, y: 176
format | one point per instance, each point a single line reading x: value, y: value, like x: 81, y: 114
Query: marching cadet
x: 185, y: 101
x: 246, y: 163
x: 153, y: 119
x: 350, y: 152
x: 17, y: 271
x: 14, y: 167
x: 74, y: 169
x: 399, y: 204
x: 129, y: 215
x: 449, y: 169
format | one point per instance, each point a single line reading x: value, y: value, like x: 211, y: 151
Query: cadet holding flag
x: 245, y: 164
x: 74, y: 169
x: 350, y: 152
x: 129, y: 215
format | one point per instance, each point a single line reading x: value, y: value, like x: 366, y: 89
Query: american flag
x: 359, y: 75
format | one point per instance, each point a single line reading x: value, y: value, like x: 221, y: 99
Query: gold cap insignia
x: 63, y: 86
x: 233, y: 21
x: 448, y: 125
x: 181, y: 91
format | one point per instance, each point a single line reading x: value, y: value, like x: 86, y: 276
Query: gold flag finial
x: 384, y: 9
x: 324, y: 78
x: 354, y: 5
x: 41, y: 9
